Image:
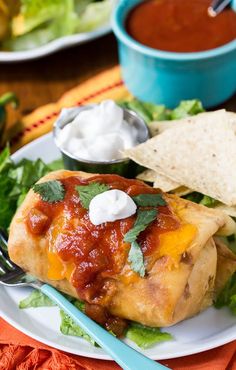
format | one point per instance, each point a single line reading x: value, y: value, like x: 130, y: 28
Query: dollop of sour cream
x: 99, y: 133
x: 110, y: 206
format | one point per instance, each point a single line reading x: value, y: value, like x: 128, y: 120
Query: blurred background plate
x: 53, y: 46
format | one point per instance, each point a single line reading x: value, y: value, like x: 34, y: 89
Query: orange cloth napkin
x: 20, y: 352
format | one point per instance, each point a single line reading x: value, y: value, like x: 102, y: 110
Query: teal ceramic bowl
x: 166, y: 77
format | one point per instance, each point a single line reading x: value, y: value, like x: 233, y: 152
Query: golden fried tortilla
x: 181, y: 267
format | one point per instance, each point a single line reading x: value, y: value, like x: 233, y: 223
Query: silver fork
x: 125, y: 356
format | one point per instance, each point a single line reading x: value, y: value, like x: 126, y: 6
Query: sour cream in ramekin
x: 98, y: 134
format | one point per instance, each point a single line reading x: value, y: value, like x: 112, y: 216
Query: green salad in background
x: 17, y: 179
x: 27, y: 24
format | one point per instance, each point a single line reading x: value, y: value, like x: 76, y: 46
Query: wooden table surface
x: 44, y: 80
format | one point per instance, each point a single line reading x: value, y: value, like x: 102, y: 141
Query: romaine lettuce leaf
x: 208, y: 201
x: 199, y: 198
x: 35, y: 38
x: 56, y: 165
x: 138, y: 107
x: 95, y: 14
x: 36, y: 299
x: 37, y: 12
x: 145, y: 336
x: 154, y: 112
x: 68, y: 327
x: 5, y: 158
x: 187, y: 108
x: 15, y: 182
x: 41, y: 21
x: 227, y: 296
x: 158, y: 112
x: 80, y: 5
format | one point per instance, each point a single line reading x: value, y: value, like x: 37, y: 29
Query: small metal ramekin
x: 122, y: 166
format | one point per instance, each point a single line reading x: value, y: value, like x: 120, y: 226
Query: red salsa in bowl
x: 180, y: 25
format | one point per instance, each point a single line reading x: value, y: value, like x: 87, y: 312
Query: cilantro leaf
x: 145, y: 336
x: 88, y: 192
x: 149, y: 200
x: 144, y: 218
x: 135, y: 257
x: 136, y: 260
x: 50, y: 191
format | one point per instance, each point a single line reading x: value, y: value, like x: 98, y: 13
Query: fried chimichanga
x: 58, y: 244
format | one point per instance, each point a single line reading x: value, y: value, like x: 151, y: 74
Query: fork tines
x: 6, y: 265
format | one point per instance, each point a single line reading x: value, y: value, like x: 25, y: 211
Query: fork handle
x: 127, y: 357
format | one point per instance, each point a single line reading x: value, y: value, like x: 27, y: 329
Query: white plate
x: 55, y: 45
x: 207, y: 330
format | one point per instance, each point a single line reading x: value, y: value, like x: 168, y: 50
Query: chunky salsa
x: 93, y: 254
x: 180, y: 25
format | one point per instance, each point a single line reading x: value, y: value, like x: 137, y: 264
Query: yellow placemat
x: 106, y: 85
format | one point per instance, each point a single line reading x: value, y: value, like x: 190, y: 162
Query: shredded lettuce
x: 208, y: 201
x: 36, y: 299
x: 199, y: 198
x: 145, y: 336
x: 34, y: 13
x: 16, y: 180
x: 56, y: 165
x: 41, y: 21
x: 5, y: 159
x: 152, y: 112
x: 227, y: 296
x: 94, y: 15
x: 31, y: 40
x: 68, y: 327
x: 81, y: 5
x: 187, y: 108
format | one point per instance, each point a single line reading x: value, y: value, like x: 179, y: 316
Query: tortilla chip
x: 157, y: 127
x: 200, y: 156
x: 160, y: 181
x: 163, y: 183
x: 147, y: 175
x: 181, y: 191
